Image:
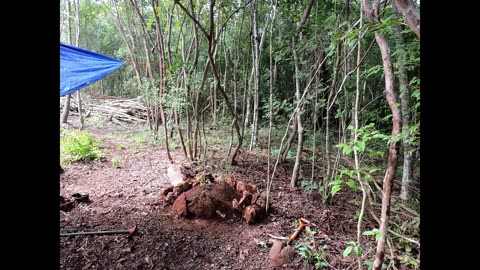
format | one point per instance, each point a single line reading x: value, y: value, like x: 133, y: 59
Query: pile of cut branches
x: 118, y: 110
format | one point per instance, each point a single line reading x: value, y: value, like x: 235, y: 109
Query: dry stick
x: 291, y: 117
x: 391, y: 265
x: 393, y: 232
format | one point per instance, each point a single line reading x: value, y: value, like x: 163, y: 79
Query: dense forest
x: 325, y: 93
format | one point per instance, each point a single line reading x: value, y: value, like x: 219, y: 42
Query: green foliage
x: 352, y: 246
x: 375, y: 232
x: 310, y: 185
x: 115, y: 162
x: 76, y: 145
x: 410, y: 261
x: 121, y: 147
x: 309, y: 252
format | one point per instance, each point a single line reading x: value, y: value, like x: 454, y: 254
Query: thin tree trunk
x: 211, y: 49
x: 77, y: 37
x: 118, y: 24
x: 396, y: 126
x: 148, y: 71
x: 298, y: 95
x: 293, y: 131
x: 327, y: 117
x: 256, y: 75
x: 407, y: 176
x: 355, y: 139
x: 410, y: 14
x: 159, y: 42
x: 270, y: 122
x: 66, y: 106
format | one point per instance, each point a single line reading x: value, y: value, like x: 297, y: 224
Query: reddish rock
x: 246, y: 199
x: 180, y: 206
x: 231, y: 181
x: 183, y: 186
x: 241, y: 186
x: 164, y: 192
x: 253, y: 213
x: 261, y: 202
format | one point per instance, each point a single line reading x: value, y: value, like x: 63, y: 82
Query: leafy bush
x: 310, y: 253
x: 78, y: 146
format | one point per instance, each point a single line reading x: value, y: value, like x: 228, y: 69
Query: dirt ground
x: 124, y: 190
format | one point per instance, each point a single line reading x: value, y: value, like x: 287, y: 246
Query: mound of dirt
x: 219, y: 199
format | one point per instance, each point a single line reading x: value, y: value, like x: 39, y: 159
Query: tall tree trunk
x: 396, y: 126
x: 256, y: 75
x: 161, y: 67
x: 66, y: 106
x: 327, y: 117
x: 77, y: 37
x: 407, y: 176
x: 410, y: 14
x: 270, y: 122
x: 148, y: 71
x: 118, y: 24
x: 211, y: 49
x: 355, y: 139
x: 298, y: 96
x: 258, y: 49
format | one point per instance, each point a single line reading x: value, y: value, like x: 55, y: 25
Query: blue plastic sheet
x: 80, y: 67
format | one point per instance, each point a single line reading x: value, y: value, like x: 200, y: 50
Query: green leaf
x: 336, y: 182
x: 336, y: 189
x: 358, y: 251
x: 347, y: 251
x: 378, y: 236
x: 369, y: 264
x: 310, y: 231
x: 351, y: 183
x: 371, y: 232
x: 361, y: 145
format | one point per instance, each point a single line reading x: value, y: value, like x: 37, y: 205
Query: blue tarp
x: 80, y: 67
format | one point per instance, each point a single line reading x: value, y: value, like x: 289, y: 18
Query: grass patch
x: 78, y: 146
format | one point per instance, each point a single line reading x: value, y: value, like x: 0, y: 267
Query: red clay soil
x: 124, y: 190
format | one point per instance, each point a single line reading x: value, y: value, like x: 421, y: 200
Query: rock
x: 231, y: 182
x: 180, y: 206
x: 261, y: 202
x: 182, y: 187
x: 253, y: 213
x: 164, y: 192
x: 241, y: 186
x: 246, y: 199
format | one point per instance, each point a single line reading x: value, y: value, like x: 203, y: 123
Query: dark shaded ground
x: 124, y: 191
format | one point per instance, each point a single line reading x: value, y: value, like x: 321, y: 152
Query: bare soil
x: 124, y: 190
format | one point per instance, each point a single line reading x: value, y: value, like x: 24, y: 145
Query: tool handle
x: 295, y: 234
x: 96, y: 233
